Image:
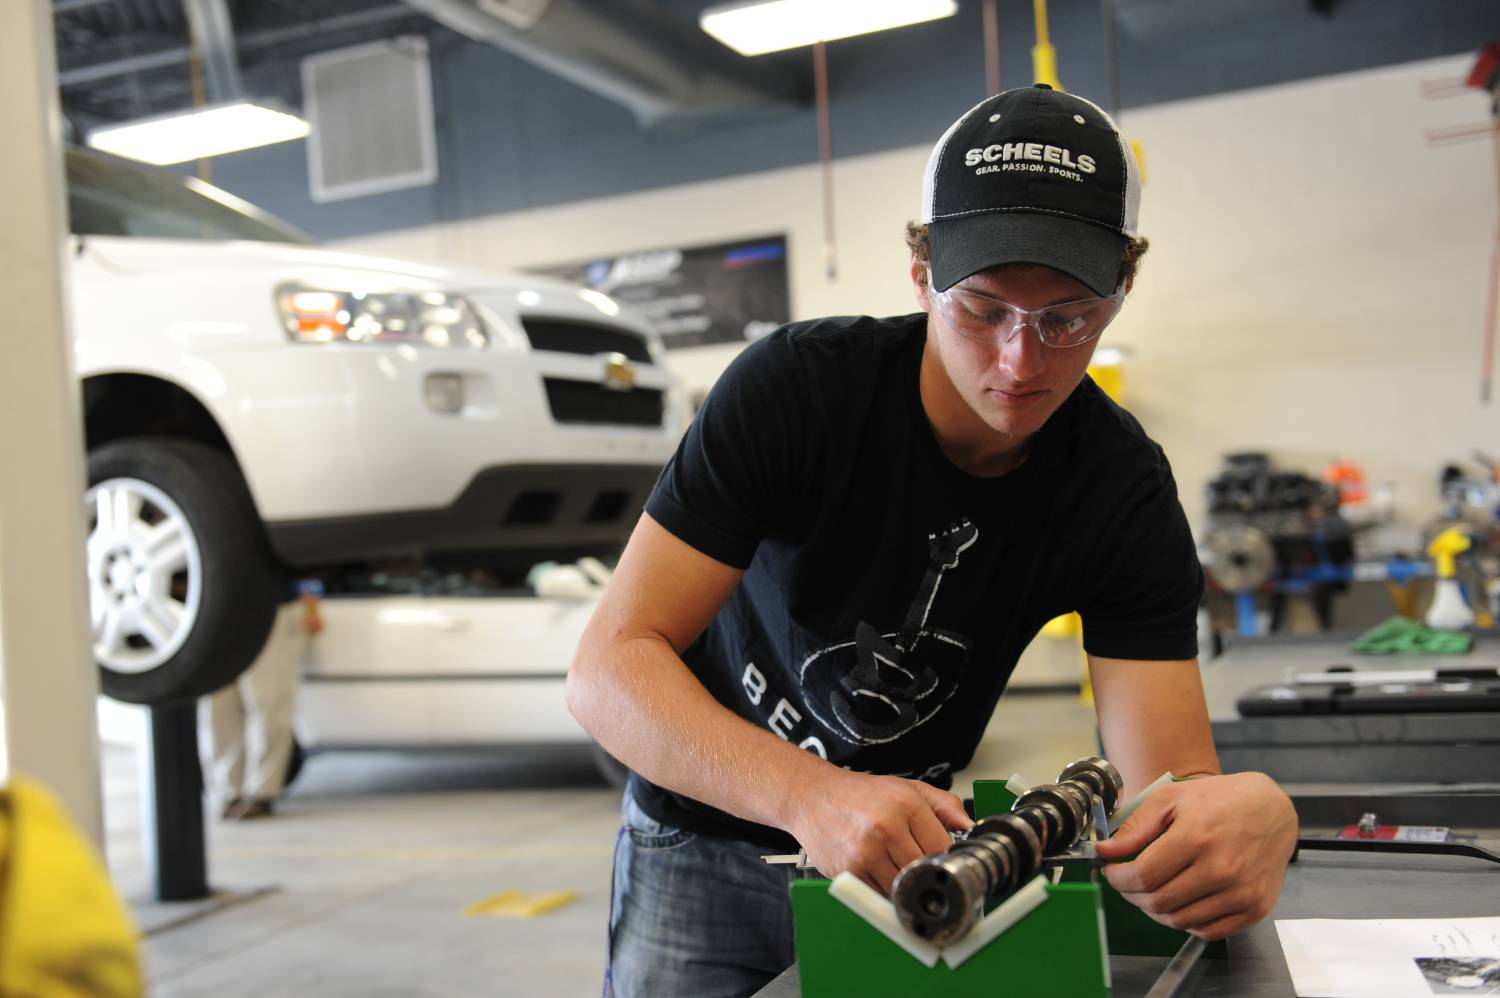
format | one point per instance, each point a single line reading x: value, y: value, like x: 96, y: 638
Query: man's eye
x: 984, y: 312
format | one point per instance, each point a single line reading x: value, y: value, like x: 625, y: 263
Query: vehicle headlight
x: 420, y: 318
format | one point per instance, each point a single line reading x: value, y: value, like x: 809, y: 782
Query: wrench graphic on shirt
x: 879, y: 686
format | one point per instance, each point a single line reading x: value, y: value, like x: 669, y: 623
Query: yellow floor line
x: 519, y: 904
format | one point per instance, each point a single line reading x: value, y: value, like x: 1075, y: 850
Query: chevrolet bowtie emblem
x: 619, y: 372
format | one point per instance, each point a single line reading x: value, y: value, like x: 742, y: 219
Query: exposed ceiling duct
x: 208, y: 21
x: 626, y: 52
x: 317, y: 25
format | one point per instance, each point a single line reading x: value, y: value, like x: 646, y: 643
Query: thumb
x: 948, y: 808
x: 1139, y: 830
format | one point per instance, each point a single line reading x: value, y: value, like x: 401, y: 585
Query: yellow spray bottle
x: 1448, y: 611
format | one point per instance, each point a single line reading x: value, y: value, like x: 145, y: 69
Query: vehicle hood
x: 286, y: 262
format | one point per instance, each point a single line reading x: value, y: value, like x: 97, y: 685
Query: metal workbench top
x: 1318, y: 885
x: 1324, y: 884
x: 1260, y: 661
x: 1348, y: 748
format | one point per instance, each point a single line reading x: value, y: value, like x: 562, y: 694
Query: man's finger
x: 1222, y: 928
x: 1149, y: 821
x: 1158, y: 863
x: 947, y: 806
x: 1176, y: 894
x: 884, y: 872
x: 928, y: 832
x: 1198, y: 916
x: 902, y: 850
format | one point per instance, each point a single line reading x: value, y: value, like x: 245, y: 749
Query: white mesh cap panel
x: 1130, y: 211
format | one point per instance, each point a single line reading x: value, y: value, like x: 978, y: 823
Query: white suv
x: 255, y: 406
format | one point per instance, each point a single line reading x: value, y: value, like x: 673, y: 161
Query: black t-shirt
x: 888, y: 594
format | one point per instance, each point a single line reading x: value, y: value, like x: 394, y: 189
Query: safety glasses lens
x: 979, y: 317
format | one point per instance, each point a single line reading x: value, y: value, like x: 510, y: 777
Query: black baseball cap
x: 1031, y: 175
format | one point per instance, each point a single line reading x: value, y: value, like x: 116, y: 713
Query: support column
x: 48, y: 679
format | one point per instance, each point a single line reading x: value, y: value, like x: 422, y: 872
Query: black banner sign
x: 726, y: 293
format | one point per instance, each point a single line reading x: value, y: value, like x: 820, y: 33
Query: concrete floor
x: 358, y: 885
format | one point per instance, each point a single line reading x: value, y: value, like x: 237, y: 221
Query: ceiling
x: 125, y: 59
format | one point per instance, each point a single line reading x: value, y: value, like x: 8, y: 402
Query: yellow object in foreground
x: 63, y: 932
x: 519, y: 904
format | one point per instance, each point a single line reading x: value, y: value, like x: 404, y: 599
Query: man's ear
x: 919, y: 283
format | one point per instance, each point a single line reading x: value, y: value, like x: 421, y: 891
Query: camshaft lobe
x: 1062, y: 805
x: 1014, y: 831
x: 940, y: 897
x: 1102, y: 779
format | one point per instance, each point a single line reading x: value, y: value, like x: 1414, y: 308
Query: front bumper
x: 508, y: 517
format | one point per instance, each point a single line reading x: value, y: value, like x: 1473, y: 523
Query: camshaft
x: 940, y: 897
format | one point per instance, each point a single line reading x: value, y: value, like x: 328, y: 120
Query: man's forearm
x: 640, y: 701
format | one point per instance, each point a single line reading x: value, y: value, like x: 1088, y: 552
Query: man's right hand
x: 872, y: 826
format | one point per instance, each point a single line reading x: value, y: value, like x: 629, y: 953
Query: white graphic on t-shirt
x: 876, y: 688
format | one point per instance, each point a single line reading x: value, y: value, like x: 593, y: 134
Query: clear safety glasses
x: 985, y: 319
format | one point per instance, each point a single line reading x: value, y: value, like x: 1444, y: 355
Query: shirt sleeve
x: 739, y: 472
x: 1146, y: 582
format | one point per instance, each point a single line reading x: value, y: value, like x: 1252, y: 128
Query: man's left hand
x: 1213, y: 853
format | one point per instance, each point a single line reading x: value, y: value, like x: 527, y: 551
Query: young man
x: 865, y: 525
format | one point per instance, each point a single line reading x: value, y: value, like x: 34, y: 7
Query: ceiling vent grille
x: 370, y: 107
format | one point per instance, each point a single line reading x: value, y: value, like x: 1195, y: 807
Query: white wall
x: 1316, y: 284
x: 1318, y: 278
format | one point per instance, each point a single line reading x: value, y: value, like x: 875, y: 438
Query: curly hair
x: 1130, y: 260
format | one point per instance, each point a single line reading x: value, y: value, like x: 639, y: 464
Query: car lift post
x: 177, y: 857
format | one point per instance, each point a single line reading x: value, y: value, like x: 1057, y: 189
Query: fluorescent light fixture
x: 211, y: 131
x: 757, y: 28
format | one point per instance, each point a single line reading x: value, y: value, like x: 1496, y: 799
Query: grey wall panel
x: 512, y: 137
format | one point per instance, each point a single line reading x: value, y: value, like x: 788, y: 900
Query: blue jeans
x: 694, y: 916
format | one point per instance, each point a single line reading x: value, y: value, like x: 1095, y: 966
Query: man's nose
x: 1022, y: 354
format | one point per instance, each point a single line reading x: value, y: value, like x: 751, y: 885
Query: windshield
x: 108, y: 196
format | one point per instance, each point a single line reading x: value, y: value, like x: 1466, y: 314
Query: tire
x: 183, y: 588
x: 615, y: 772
